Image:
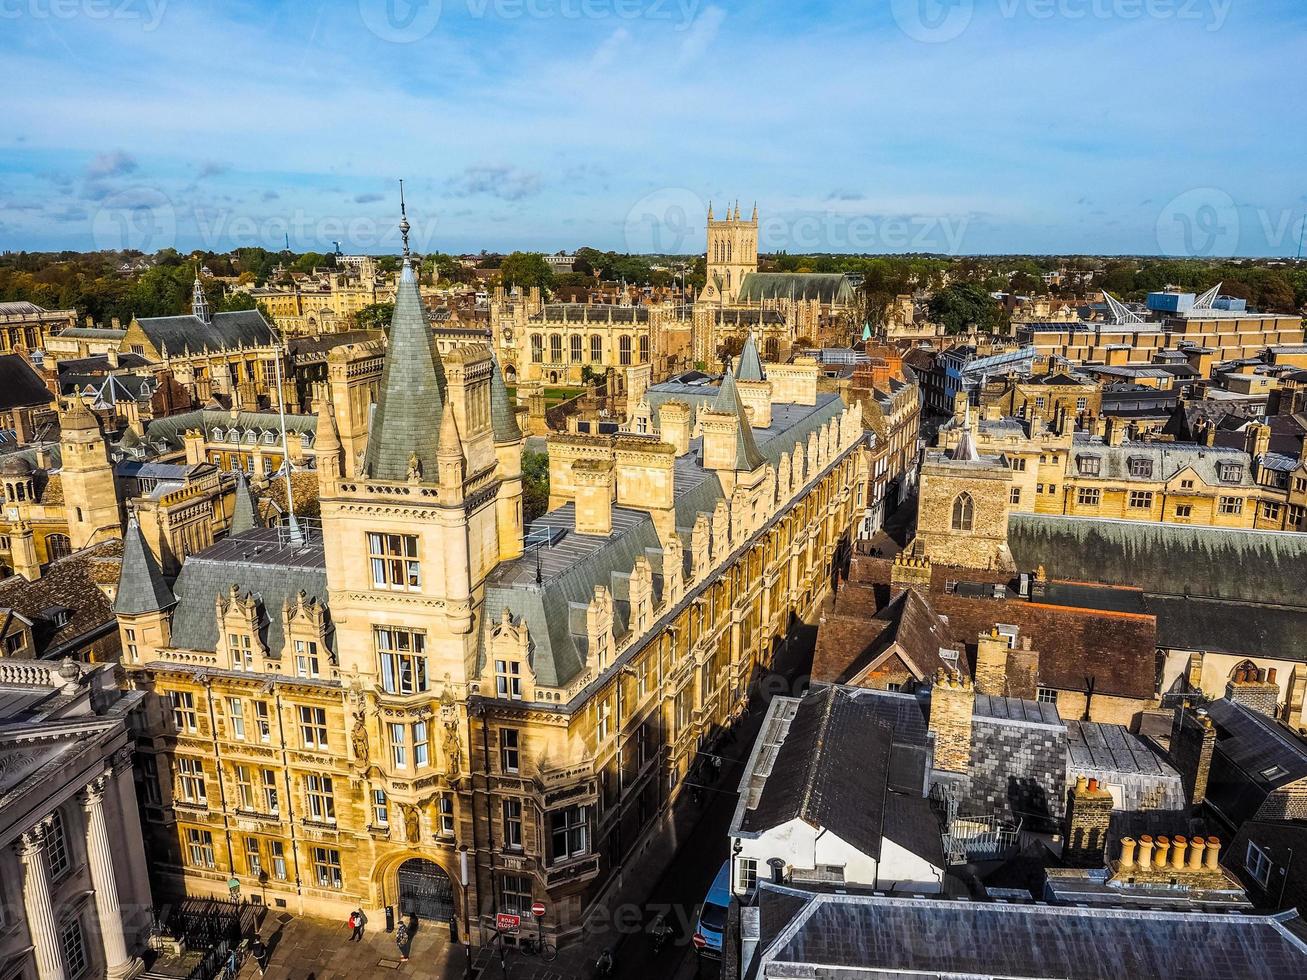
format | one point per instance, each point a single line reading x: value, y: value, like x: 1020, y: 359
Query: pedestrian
x: 356, y: 926
x: 401, y: 940
x: 260, y: 953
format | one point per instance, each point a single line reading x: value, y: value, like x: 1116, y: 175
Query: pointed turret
x: 326, y: 442
x: 199, y: 302
x: 449, y: 455
x: 747, y: 455
x: 710, y: 210
x: 244, y: 516
x: 502, y: 417
x: 412, y: 393
x: 141, y: 585
x: 750, y: 362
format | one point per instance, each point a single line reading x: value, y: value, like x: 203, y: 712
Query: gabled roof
x: 223, y: 331
x: 20, y: 385
x: 406, y: 421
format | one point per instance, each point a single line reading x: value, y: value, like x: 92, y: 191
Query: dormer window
x: 242, y: 654
x: 1089, y: 465
x: 1141, y: 467
x: 508, y: 679
x: 1229, y: 473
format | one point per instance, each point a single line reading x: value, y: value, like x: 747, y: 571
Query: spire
x: 244, y: 516
x: 750, y: 362
x: 199, y: 303
x: 326, y: 440
x: 503, y: 419
x: 755, y: 212
x: 710, y: 210
x: 403, y: 222
x: 412, y: 390
x: 747, y: 455
x: 141, y: 585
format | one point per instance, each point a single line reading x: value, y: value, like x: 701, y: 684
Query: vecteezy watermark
x: 148, y: 12
x: 1207, y: 223
x: 937, y: 21
x: 1201, y: 223
x: 406, y: 21
x: 146, y: 220
x: 832, y: 231
x: 670, y: 221
x: 139, y: 219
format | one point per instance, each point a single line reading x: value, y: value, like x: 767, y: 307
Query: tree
x: 962, y: 305
x: 526, y: 269
x: 374, y: 316
x: 535, y: 485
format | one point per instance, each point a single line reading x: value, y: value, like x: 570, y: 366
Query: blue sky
x: 967, y: 126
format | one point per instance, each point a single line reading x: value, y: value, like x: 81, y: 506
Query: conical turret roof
x: 244, y: 516
x: 750, y: 362
x: 406, y: 422
x: 502, y: 417
x: 141, y: 585
x: 747, y: 455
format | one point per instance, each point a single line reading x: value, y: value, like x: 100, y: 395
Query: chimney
x: 111, y: 356
x: 1145, y: 852
x: 1085, y: 826
x: 1213, y: 856
x: 1161, y: 852
x: 1257, y: 439
x: 909, y: 572
x: 594, y: 496
x: 1192, y: 739
x: 1127, y: 853
x: 1255, y: 690
x: 1196, y: 847
x: 1023, y: 671
x: 22, y: 418
x: 22, y: 551
x: 115, y: 323
x: 1178, y: 847
x: 991, y: 663
x: 1115, y: 431
x: 952, y: 702
x: 674, y: 423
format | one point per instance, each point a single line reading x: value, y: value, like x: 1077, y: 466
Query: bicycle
x: 546, y: 950
x: 232, y: 967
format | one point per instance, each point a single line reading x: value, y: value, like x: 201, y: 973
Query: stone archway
x: 423, y: 889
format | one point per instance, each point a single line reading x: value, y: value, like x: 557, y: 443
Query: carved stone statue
x: 359, y: 739
x: 414, y: 468
x: 453, y: 748
x: 412, y: 826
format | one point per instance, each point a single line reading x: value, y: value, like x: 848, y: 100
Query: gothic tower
x: 90, y: 498
x: 732, y: 253
x: 414, y: 533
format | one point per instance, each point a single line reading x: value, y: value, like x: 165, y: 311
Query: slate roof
x: 590, y: 312
x: 100, y: 362
x: 20, y: 385
x: 750, y: 368
x: 574, y: 565
x: 832, y: 771
x: 1166, y: 460
x: 747, y: 457
x: 1253, y: 757
x: 842, y: 936
x: 169, y: 430
x: 72, y: 583
x: 141, y: 585
x: 503, y: 419
x: 827, y: 288
x: 189, y: 334
x: 406, y: 420
x: 1167, y: 559
x: 245, y: 511
x: 256, y: 562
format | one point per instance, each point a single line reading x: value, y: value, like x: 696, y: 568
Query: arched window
x: 57, y: 546
x: 537, y: 348
x: 555, y: 349
x: 963, y: 512
x: 575, y: 348
x: 596, y: 349
x: 624, y: 349
x: 644, y: 348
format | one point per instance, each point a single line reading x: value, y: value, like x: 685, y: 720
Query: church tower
x: 199, y: 302
x: 90, y: 498
x: 732, y: 254
x: 412, y: 536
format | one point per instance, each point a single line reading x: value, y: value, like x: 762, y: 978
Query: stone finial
x: 71, y: 674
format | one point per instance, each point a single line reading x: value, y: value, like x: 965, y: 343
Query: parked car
x: 711, y: 927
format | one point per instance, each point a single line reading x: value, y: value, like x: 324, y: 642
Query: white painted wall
x: 803, y: 847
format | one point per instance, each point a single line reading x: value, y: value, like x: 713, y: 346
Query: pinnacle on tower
x: 199, y: 302
x: 403, y: 222
x: 710, y: 210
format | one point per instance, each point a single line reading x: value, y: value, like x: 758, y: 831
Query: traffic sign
x: 538, y: 909
x: 507, y: 922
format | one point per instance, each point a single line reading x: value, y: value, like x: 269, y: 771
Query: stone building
x: 27, y: 327
x: 349, y: 716
x: 324, y: 304
x: 891, y: 400
x: 74, y: 883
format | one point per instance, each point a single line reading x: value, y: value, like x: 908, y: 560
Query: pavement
x: 681, y: 860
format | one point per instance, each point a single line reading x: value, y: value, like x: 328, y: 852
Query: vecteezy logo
x: 667, y: 222
x: 400, y: 21
x: 932, y: 21
x: 1201, y: 223
x: 137, y: 218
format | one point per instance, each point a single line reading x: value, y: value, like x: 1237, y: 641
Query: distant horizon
x: 1124, y: 127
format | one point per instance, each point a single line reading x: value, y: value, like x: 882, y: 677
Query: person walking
x: 355, y: 926
x: 260, y: 953
x: 401, y: 940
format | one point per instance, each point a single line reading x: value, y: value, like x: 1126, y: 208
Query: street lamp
x: 467, y: 924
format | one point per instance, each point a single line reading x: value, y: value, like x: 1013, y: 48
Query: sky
x: 1170, y: 127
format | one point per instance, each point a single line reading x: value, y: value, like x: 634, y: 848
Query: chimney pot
x: 1179, y: 844
x: 1082, y: 784
x: 1145, y: 851
x: 1163, y: 851
x: 1093, y: 785
x: 1127, y: 852
x: 1196, y: 848
x: 1270, y: 675
x: 1213, y: 854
